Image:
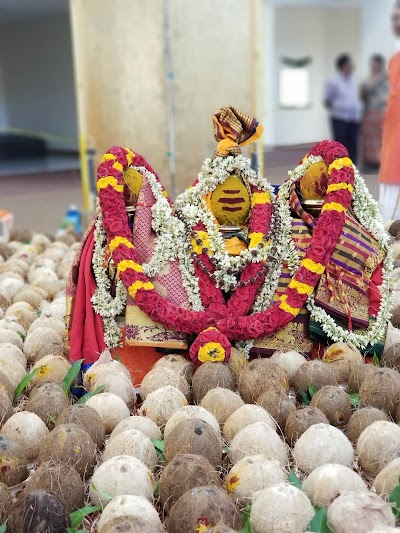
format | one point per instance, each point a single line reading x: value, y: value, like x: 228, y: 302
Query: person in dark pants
x: 342, y: 100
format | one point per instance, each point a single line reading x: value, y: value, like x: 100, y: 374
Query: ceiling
x: 16, y: 10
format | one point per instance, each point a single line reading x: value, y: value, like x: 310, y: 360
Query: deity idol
x: 230, y: 264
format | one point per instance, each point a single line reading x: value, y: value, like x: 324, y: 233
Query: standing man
x: 342, y: 100
x: 389, y: 186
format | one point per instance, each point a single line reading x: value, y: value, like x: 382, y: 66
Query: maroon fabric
x: 87, y: 335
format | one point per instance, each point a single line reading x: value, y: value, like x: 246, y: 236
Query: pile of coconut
x: 278, y: 445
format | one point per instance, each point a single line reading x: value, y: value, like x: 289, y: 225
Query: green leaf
x: 311, y: 390
x: 394, y: 497
x: 54, y: 420
x: 22, y: 335
x: 225, y: 448
x: 319, y: 524
x: 117, y: 358
x: 102, y: 494
x: 3, y: 527
x: 305, y: 398
x: 23, y: 384
x: 89, y: 395
x: 246, y: 520
x: 156, y: 488
x: 70, y: 376
x: 355, y: 399
x: 294, y: 480
x: 376, y: 360
x: 77, y: 516
x: 73, y: 530
x: 159, y: 446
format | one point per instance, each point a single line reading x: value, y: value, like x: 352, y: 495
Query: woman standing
x: 374, y: 94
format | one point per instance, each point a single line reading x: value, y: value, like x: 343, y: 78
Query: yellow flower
x: 310, y: 265
x: 43, y: 371
x: 126, y: 263
x: 232, y: 482
x: 333, y: 206
x: 211, y: 351
x: 260, y: 198
x: 116, y: 241
x: 147, y: 286
x: 203, y: 236
x: 302, y: 288
x: 288, y: 308
x: 339, y: 187
x: 255, y: 239
x: 340, y: 163
x: 102, y: 183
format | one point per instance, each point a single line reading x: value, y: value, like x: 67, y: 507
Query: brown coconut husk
x: 6, y: 502
x: 391, y: 357
x: 160, y: 377
x: 261, y: 375
x: 299, y: 421
x: 183, y: 473
x: 209, y: 376
x: 361, y: 419
x: 69, y: 444
x: 342, y: 356
x: 6, y: 408
x: 86, y: 418
x: 358, y: 374
x: 38, y: 512
x: 48, y: 401
x: 381, y: 390
x: 335, y: 403
x: 236, y: 363
x: 130, y: 524
x: 42, y: 342
x: 196, y: 437
x: 21, y: 235
x: 23, y: 312
x: 13, y: 462
x: 6, y: 385
x: 62, y: 481
x: 210, y: 503
x: 394, y: 228
x: 5, y: 299
x: 29, y: 295
x: 314, y: 373
x: 5, y: 251
x: 221, y: 403
x: 221, y: 528
x: 177, y: 363
x: 278, y: 405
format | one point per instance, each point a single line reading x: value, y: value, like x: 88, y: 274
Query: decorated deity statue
x: 229, y: 264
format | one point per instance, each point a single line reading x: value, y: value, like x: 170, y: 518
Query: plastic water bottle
x: 73, y: 219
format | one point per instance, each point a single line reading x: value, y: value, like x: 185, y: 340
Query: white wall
x: 38, y: 77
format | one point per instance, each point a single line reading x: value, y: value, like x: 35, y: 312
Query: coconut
x: 8, y: 335
x: 40, y: 273
x: 23, y: 312
x: 28, y: 429
x: 86, y: 418
x: 209, y: 376
x: 203, y: 505
x: 6, y: 408
x: 13, y: 370
x: 396, y: 300
x: 5, y: 299
x: 278, y: 405
x: 244, y: 416
x: 111, y: 409
x: 12, y: 285
x: 260, y: 375
x: 105, y: 364
x: 361, y: 419
x: 357, y: 512
x: 235, y: 363
x: 131, y: 507
x: 315, y: 373
x: 37, y: 512
x: 326, y: 482
x: 48, y: 322
x: 41, y: 342
x: 114, y: 382
x: 378, y: 445
x: 334, y: 403
x: 1, y: 312
x: 21, y: 235
x: 6, y: 386
x: 221, y: 403
x: 134, y: 443
x: 120, y: 475
x: 47, y: 400
x: 187, y: 413
x: 322, y: 444
x: 131, y: 524
x: 358, y: 374
x: 55, y: 309
x: 62, y: 481
x: 11, y: 323
x: 384, y: 529
x: 381, y: 390
x: 40, y: 241
x: 251, y: 474
x: 6, y: 502
x: 30, y: 295
x: 341, y: 357
x: 183, y: 473
x: 5, y: 250
x: 52, y: 369
x: 194, y: 436
x: 280, y: 508
x: 177, y: 363
x: 388, y: 478
x: 391, y: 357
x: 69, y: 444
x: 141, y: 423
x: 289, y: 361
x: 13, y: 461
x: 300, y: 420
x: 10, y: 352
x: 255, y: 439
x: 161, y: 404
x: 394, y: 228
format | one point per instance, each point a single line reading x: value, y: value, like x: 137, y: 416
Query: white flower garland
x: 367, y: 212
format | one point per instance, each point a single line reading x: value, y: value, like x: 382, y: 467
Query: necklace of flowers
x: 368, y: 214
x: 323, y: 243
